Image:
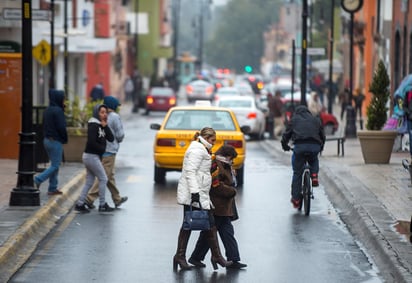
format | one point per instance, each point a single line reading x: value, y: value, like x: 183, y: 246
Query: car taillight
x: 235, y: 144
x: 172, y: 101
x: 251, y: 115
x: 166, y: 142
x: 218, y: 85
x: 209, y: 90
x: 189, y: 89
x: 149, y: 99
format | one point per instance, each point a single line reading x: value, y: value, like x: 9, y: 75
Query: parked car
x: 160, y: 99
x: 247, y: 113
x: 329, y: 121
x: 178, y: 128
x: 199, y: 89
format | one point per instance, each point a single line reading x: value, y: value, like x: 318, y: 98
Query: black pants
x: 227, y: 234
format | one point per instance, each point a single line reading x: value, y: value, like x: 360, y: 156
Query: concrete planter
x: 376, y: 145
x: 74, y: 148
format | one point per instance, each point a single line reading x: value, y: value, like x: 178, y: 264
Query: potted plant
x: 377, y: 144
x: 77, y: 117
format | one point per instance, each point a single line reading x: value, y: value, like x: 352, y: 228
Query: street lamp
x: 351, y: 6
x: 304, y: 52
x: 24, y: 194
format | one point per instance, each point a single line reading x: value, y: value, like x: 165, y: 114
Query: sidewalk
x: 374, y: 201
x: 23, y: 227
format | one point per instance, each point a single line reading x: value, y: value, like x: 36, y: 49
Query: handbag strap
x: 200, y: 205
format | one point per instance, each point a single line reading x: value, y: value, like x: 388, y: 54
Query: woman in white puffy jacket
x: 194, y: 186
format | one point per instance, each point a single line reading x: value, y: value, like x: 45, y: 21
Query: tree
x: 237, y: 40
x: 377, y: 110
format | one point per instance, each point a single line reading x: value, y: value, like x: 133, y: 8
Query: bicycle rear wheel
x: 306, y: 192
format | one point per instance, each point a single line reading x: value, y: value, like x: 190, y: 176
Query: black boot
x: 216, y: 257
x: 180, y: 256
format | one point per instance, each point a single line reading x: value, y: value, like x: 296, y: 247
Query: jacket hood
x: 96, y: 110
x: 111, y: 102
x: 56, y: 97
x: 301, y: 109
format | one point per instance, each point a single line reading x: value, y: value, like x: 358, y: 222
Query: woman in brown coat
x: 222, y: 195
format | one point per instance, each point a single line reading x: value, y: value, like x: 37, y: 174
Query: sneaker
x: 81, y: 208
x: 315, y: 180
x: 296, y: 203
x: 89, y: 204
x: 122, y: 200
x: 105, y: 208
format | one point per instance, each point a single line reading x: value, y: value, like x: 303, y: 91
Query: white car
x: 247, y: 113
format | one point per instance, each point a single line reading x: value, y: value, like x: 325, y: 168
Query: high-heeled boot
x: 216, y: 257
x: 180, y: 256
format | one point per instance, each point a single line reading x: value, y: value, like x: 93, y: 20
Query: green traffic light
x: 248, y: 69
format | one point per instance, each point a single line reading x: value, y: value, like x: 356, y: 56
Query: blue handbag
x: 196, y: 220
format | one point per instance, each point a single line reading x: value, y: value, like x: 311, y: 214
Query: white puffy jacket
x: 196, y: 177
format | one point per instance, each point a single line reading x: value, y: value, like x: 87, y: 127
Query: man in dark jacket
x: 307, y: 134
x: 55, y: 135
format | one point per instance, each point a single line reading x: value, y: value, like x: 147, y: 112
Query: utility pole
x: 176, y: 12
x: 331, y: 39
x: 24, y: 194
x: 304, y: 52
x: 201, y: 28
x: 66, y: 55
x: 52, y: 76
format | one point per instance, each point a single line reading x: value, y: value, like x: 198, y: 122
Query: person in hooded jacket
x: 109, y: 157
x: 98, y: 132
x: 307, y: 134
x: 193, y: 189
x: 55, y: 135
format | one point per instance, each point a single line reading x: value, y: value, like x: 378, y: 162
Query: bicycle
x: 307, y: 190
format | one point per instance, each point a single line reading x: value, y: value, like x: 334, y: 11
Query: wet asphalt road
x: 136, y: 243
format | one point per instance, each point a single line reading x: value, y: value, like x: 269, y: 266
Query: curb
x: 19, y: 247
x: 364, y: 228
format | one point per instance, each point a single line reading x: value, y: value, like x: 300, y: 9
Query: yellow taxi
x: 178, y: 128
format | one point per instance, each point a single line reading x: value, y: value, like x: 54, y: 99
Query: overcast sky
x: 219, y: 2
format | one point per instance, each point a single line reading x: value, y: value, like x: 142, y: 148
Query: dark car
x: 160, y: 99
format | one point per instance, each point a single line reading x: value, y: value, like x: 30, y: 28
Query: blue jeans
x: 54, y: 150
x: 410, y: 135
x: 298, y: 162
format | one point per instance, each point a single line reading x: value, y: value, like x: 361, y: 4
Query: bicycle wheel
x: 306, y: 192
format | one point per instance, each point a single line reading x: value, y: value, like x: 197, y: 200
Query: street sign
x: 42, y: 52
x: 310, y: 51
x: 15, y: 14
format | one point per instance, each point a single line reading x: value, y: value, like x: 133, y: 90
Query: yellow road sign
x: 42, y: 52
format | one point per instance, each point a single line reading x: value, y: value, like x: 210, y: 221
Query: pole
x: 136, y: 35
x: 66, y: 55
x: 175, y: 40
x: 201, y: 36
x: 293, y: 71
x: 304, y: 52
x: 350, y: 130
x: 331, y: 39
x: 51, y: 66
x: 24, y: 194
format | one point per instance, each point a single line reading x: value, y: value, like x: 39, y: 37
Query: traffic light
x: 248, y: 69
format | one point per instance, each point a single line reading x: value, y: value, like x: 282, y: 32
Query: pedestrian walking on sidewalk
x: 275, y: 105
x: 98, y: 132
x: 222, y: 195
x: 307, y: 134
x: 193, y: 189
x: 55, y: 135
x: 109, y: 157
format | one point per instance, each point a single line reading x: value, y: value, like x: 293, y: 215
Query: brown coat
x: 223, y: 195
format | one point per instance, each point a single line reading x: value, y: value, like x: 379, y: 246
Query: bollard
x: 350, y: 130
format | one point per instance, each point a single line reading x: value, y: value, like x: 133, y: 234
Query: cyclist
x: 307, y: 134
